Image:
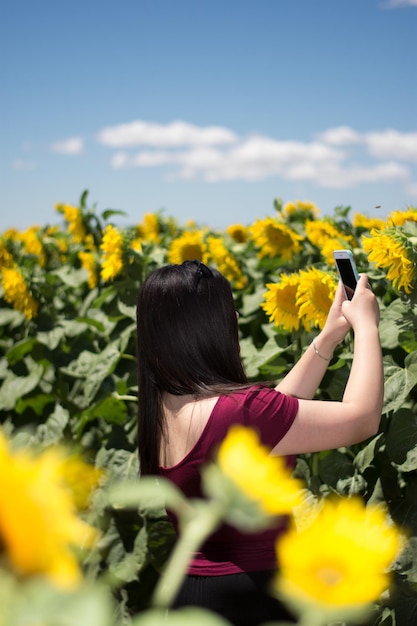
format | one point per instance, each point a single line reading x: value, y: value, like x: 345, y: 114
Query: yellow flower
x: 73, y: 215
x: 187, y: 247
x: 39, y: 528
x: 315, y: 294
x: 17, y: 293
x: 81, y: 478
x: 330, y: 245
x: 341, y: 558
x: 319, y: 231
x: 136, y: 244
x: 301, y: 210
x: 225, y: 262
x: 263, y: 478
x: 281, y: 302
x: 238, y: 232
x: 149, y: 230
x: 112, y: 249
x: 11, y: 234
x: 89, y: 263
x: 363, y: 221
x: 6, y: 259
x: 398, y: 218
x: 275, y: 239
x: 32, y: 244
x: 391, y: 250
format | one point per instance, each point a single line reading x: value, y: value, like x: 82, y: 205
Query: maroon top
x: 271, y: 414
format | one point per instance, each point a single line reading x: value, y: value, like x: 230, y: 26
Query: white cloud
x: 175, y: 134
x: 328, y: 161
x: 394, y: 4
x: 339, y: 136
x: 255, y: 158
x: 385, y: 144
x: 72, y: 146
x: 391, y: 144
x: 21, y: 164
x: 342, y: 176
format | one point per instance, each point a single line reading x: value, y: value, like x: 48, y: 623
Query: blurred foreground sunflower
x: 341, y: 558
x: 39, y: 526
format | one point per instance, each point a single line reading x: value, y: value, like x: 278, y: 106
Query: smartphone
x: 347, y: 271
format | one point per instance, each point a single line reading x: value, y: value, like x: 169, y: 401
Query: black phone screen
x: 348, y: 276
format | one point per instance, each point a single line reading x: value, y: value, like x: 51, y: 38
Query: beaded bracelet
x: 318, y: 353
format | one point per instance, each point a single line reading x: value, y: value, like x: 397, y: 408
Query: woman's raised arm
x: 324, y: 425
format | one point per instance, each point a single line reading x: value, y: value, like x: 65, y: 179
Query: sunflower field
x: 78, y: 543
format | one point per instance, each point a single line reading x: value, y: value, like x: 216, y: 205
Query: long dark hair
x: 187, y: 343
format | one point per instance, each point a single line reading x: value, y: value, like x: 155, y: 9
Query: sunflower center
x: 330, y: 576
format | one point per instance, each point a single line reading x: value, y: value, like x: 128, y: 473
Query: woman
x: 192, y: 387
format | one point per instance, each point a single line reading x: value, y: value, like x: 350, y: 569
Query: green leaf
x: 188, y: 616
x: 51, y: 338
x: 11, y: 317
x: 15, y: 387
x: 20, y: 349
x: 335, y: 466
x: 37, y: 403
x: 252, y: 302
x: 110, y: 212
x: 91, y: 322
x: 400, y: 383
x: 148, y: 493
x: 110, y: 409
x: 366, y: 457
x: 255, y: 359
x: 92, y: 369
x: 128, y: 311
x: 120, y: 464
x: 70, y: 276
x: 52, y: 431
x: 401, y: 439
x: 39, y: 603
x: 394, y: 319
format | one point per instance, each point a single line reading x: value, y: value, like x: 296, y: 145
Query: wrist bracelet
x: 318, y: 353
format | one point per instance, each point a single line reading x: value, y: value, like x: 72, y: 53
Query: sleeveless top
x: 229, y: 551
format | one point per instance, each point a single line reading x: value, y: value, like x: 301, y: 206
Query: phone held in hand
x: 347, y: 271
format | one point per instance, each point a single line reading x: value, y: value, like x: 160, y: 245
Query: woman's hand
x: 337, y: 325
x: 363, y: 310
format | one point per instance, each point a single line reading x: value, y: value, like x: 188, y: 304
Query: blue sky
x: 207, y: 109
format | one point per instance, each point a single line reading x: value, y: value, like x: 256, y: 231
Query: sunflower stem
x: 203, y: 523
x: 313, y: 617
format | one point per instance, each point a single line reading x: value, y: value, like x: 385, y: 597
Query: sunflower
x: 320, y: 231
x: 398, y: 218
x: 39, y: 527
x: 392, y: 250
x: 238, y: 232
x: 261, y: 477
x: 281, y: 302
x: 73, y: 215
x: 339, y: 559
x: 315, y: 294
x: 275, y: 239
x: 367, y: 223
x: 225, y: 262
x: 112, y: 249
x: 32, y: 244
x: 332, y: 244
x: 300, y: 211
x: 89, y: 263
x: 150, y: 229
x: 17, y: 293
x: 187, y: 247
x: 6, y: 259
